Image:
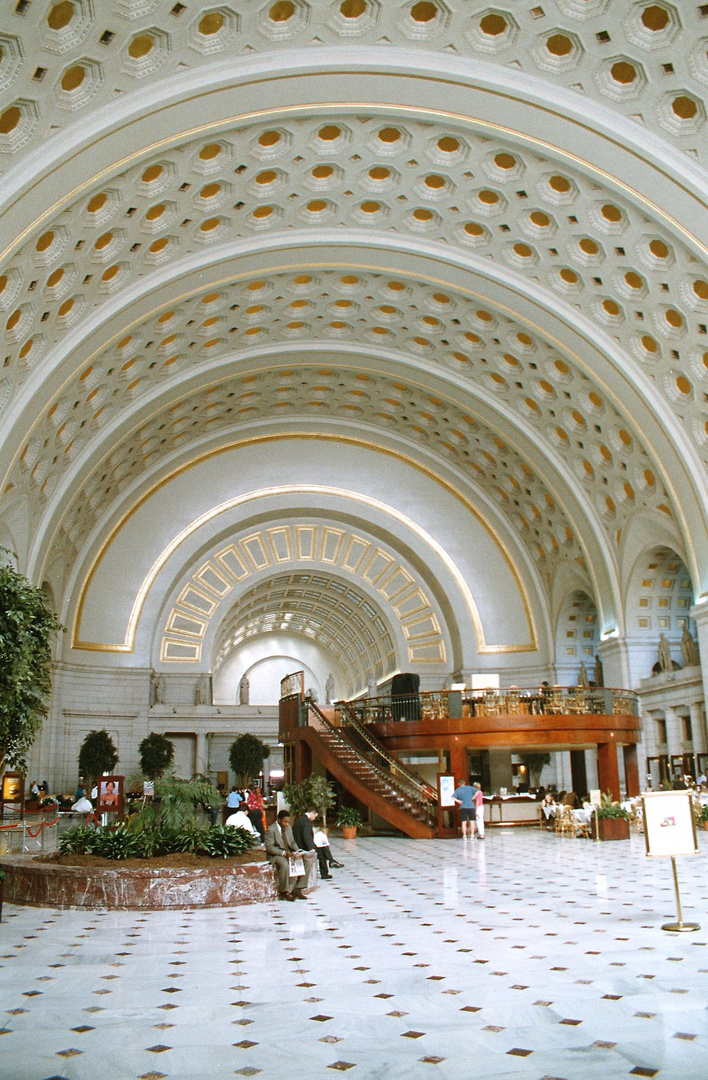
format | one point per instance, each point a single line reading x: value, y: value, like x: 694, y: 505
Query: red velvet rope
x: 42, y: 825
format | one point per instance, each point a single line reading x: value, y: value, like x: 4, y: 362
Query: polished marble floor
x: 524, y: 956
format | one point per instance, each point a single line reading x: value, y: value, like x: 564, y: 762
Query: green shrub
x: 189, y: 839
x: 81, y: 840
x: 610, y: 809
x: 225, y: 841
x: 157, y: 753
x: 124, y: 842
x: 175, y: 804
x: 117, y: 843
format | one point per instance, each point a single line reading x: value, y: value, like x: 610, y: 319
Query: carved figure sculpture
x: 157, y: 689
x: 329, y: 689
x: 665, y: 661
x: 244, y: 689
x: 598, y: 672
x: 689, y: 649
x: 202, y: 694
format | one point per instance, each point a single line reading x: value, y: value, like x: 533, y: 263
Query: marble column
x: 615, y: 663
x: 699, y: 614
x: 201, y: 764
x: 674, y: 732
x: 698, y: 727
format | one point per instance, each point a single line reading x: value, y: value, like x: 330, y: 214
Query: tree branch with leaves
x: 27, y: 630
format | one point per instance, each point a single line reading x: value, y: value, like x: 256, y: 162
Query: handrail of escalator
x: 396, y: 773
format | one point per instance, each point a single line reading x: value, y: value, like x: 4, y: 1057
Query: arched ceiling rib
x: 102, y: 387
x: 320, y: 607
x: 63, y: 61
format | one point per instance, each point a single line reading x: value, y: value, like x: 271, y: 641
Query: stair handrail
x: 404, y: 777
x: 397, y: 774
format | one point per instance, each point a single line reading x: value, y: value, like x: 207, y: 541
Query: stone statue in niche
x: 329, y: 689
x: 583, y: 679
x: 244, y: 690
x: 598, y: 672
x: 202, y: 694
x: 665, y: 661
x: 372, y: 688
x: 157, y: 689
x: 689, y: 649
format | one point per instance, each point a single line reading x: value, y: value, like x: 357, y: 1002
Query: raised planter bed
x: 44, y: 883
x: 613, y: 828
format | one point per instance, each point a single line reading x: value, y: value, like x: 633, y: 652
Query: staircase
x: 372, y: 775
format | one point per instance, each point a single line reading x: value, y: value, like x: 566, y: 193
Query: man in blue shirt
x: 464, y: 797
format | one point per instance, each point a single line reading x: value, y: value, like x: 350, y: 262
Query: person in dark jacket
x: 305, y: 839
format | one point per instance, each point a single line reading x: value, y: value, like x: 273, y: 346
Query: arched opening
x: 314, y: 621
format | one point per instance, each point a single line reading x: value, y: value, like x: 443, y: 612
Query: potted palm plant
x: 349, y: 819
x: 612, y: 820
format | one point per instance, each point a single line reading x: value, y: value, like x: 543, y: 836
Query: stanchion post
x: 680, y: 925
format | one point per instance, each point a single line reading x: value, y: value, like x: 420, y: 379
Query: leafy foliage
x: 246, y: 757
x: 117, y: 843
x: 349, y: 815
x: 315, y: 793
x: 157, y: 753
x: 80, y: 840
x: 225, y: 841
x: 27, y: 628
x: 175, y: 804
x: 610, y: 809
x: 97, y: 755
x: 534, y: 764
x: 124, y: 842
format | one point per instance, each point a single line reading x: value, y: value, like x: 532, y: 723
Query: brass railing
x: 512, y: 701
x: 349, y: 733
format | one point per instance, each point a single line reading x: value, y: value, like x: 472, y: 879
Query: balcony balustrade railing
x: 514, y: 701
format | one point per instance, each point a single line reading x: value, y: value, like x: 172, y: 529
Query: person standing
x: 464, y: 797
x: 256, y: 811
x: 280, y: 849
x: 478, y: 811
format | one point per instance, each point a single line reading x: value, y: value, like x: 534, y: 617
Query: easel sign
x: 669, y: 831
x: 446, y: 786
x: 669, y: 827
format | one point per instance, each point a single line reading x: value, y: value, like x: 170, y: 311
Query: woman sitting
x: 548, y: 810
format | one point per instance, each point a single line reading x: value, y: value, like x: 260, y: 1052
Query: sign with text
x: 446, y: 786
x: 669, y: 825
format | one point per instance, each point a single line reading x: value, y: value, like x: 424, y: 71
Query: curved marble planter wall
x: 51, y: 885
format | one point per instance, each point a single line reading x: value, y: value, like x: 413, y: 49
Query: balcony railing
x: 514, y: 701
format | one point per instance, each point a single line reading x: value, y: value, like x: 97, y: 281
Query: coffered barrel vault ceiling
x: 466, y: 238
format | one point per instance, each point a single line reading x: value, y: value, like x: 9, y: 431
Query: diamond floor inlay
x: 529, y: 956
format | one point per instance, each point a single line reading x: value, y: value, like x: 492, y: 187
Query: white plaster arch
x: 168, y: 496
